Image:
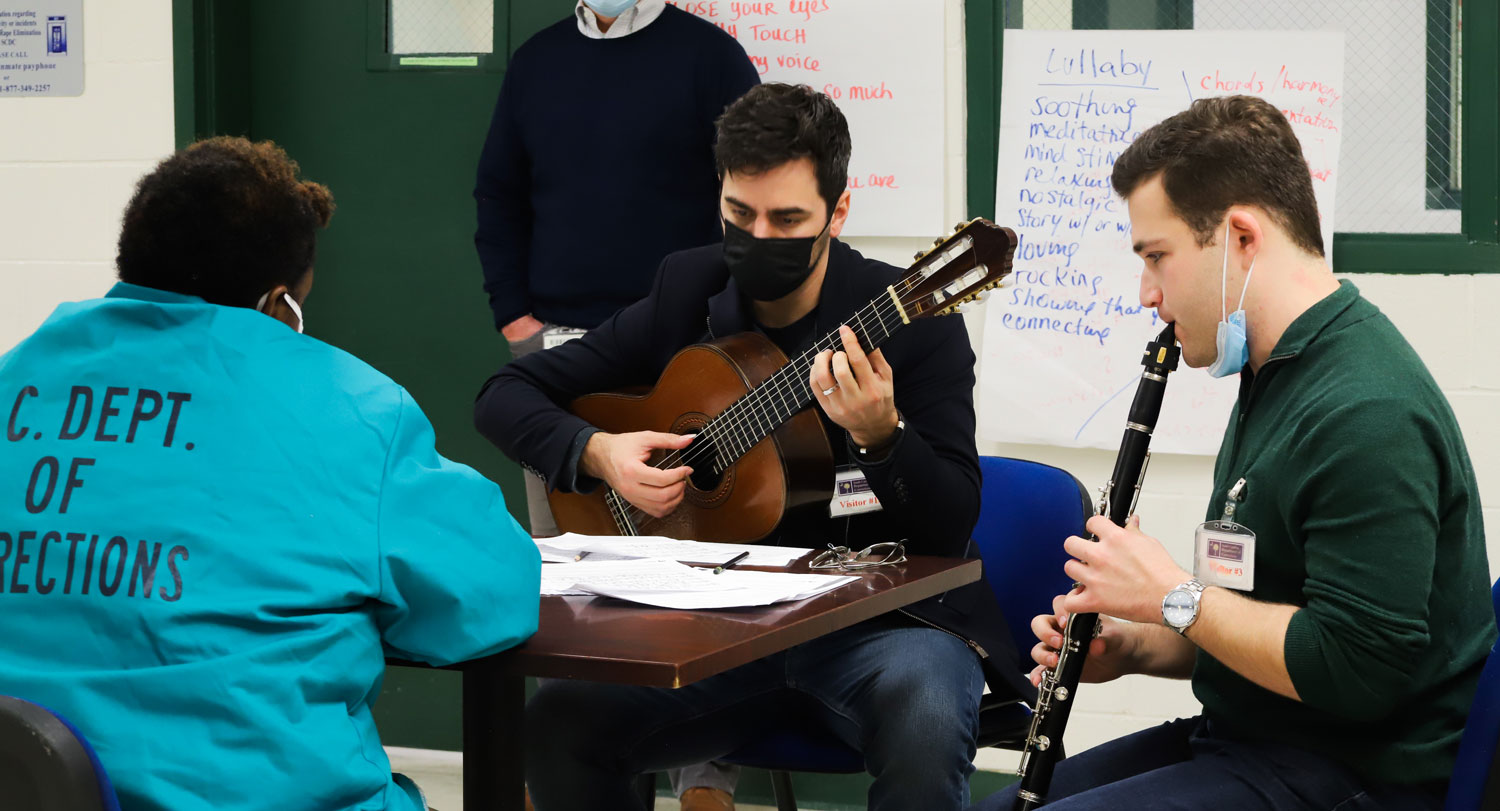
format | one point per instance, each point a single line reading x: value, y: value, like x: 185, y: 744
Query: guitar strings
x: 732, y: 430
x: 731, y: 421
x: 779, y: 384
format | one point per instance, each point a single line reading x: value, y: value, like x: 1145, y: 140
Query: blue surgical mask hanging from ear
x: 609, y: 8
x: 1234, y: 349
x: 290, y: 302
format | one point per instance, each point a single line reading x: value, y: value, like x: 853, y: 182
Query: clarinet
x: 1059, y: 685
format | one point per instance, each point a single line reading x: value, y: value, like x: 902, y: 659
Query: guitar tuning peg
x: 918, y: 255
x: 959, y: 227
x: 938, y: 241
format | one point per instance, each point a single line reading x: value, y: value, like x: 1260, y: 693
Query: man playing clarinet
x: 1339, y: 613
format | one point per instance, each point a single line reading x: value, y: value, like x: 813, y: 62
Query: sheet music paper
x: 568, y: 546
x: 669, y: 584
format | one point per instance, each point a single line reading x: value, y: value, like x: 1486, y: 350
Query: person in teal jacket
x: 214, y: 529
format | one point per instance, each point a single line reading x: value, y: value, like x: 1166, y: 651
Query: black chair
x: 46, y: 764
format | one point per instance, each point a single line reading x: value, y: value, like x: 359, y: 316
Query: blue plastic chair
x: 46, y: 764
x: 1027, y: 509
x: 1476, y: 775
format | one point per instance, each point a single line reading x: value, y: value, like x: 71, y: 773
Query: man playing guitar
x: 903, y: 689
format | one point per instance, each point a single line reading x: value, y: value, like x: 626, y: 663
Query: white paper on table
x: 570, y: 545
x: 559, y: 579
x: 670, y: 584
x: 805, y: 585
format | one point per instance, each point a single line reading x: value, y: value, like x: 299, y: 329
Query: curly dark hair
x: 774, y: 123
x: 1225, y: 151
x: 224, y: 219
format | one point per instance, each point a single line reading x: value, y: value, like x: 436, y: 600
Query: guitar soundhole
x: 710, y: 485
x: 704, y: 456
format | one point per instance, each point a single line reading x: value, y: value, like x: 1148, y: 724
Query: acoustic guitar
x: 760, y: 451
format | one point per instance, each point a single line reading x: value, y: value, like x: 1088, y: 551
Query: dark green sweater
x: 1366, y: 515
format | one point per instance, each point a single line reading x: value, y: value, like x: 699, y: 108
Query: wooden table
x: 607, y: 640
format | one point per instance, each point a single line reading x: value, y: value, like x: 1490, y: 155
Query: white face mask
x: 1231, y: 340
x: 609, y: 8
x: 290, y: 302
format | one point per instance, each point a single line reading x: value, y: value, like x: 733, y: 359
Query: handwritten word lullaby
x: 1082, y: 113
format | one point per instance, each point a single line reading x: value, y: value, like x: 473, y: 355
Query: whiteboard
x: 881, y: 61
x: 1062, y: 343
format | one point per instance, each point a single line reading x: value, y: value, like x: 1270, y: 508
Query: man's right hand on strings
x: 623, y: 462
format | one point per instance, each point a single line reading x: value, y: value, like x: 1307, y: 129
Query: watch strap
x: 1193, y: 586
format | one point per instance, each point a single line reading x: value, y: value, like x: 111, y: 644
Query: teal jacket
x: 1367, y: 517
x: 212, y: 532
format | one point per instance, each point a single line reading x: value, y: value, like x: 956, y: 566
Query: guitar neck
x: 763, y: 409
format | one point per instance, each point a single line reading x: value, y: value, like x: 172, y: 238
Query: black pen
x: 730, y: 564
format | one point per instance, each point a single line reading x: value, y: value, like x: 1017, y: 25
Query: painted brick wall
x: 68, y: 165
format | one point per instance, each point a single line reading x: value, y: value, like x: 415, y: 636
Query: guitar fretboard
x: 754, y: 416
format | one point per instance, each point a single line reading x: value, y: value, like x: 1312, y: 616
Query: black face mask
x: 769, y: 268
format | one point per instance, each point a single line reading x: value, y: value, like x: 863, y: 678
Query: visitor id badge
x: 851, y: 493
x: 557, y: 336
x: 1225, y: 555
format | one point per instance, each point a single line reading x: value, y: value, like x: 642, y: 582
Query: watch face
x: 1179, y: 608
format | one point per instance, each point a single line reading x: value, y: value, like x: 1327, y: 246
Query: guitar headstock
x: 975, y: 258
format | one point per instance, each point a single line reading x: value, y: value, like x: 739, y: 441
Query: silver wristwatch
x: 1179, y: 609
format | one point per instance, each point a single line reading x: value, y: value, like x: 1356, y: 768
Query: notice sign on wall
x: 41, y: 47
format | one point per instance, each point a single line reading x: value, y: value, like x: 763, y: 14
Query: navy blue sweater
x: 599, y: 163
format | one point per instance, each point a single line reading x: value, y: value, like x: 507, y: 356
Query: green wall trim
x: 182, y: 72
x: 984, y: 40
x: 1481, y: 121
x: 1413, y: 253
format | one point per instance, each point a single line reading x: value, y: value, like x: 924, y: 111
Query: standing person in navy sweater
x: 599, y: 162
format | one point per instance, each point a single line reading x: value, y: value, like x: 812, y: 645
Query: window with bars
x: 436, y: 35
x: 426, y: 27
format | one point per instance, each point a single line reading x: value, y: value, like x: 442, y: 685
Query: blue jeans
x: 906, y: 697
x: 1184, y: 765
